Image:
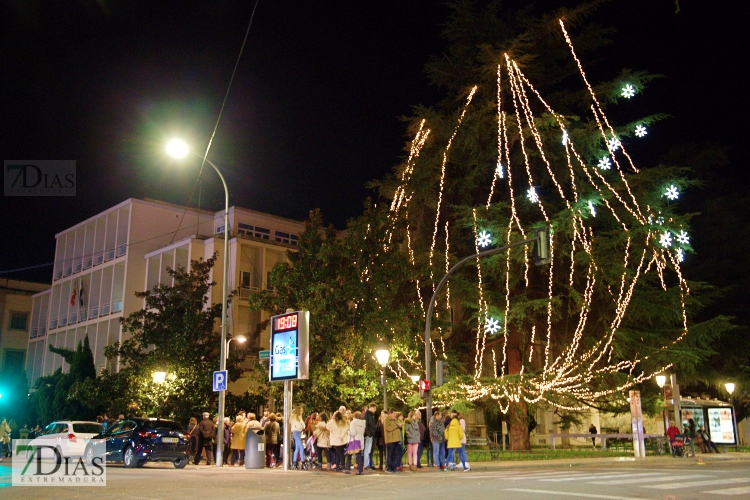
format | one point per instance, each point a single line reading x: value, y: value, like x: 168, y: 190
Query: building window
x: 254, y: 231
x: 262, y: 232
x: 219, y: 229
x: 294, y: 240
x: 18, y: 320
x: 282, y: 237
x: 245, y: 279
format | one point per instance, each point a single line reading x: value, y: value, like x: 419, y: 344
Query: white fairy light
x: 500, y: 171
x: 640, y: 131
x: 614, y: 144
x: 680, y: 255
x: 628, y: 91
x: 683, y: 238
x: 532, y: 196
x: 492, y: 325
x: 605, y: 163
x: 666, y: 239
x: 565, y: 137
x: 672, y: 193
x: 592, y: 208
x: 484, y: 239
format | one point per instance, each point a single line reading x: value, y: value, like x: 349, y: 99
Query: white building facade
x: 101, y: 262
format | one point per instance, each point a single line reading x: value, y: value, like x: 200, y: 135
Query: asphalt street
x: 673, y: 479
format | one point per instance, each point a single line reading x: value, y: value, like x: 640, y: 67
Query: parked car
x: 136, y: 441
x: 68, y: 437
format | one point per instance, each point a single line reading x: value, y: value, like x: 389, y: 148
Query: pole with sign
x: 290, y: 360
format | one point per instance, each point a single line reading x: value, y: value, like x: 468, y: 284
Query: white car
x: 68, y: 437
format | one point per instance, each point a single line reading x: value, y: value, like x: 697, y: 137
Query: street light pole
x: 427, y: 343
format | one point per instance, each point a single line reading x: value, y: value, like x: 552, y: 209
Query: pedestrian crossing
x: 719, y: 483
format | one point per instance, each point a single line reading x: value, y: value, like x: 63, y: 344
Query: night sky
x: 314, y: 110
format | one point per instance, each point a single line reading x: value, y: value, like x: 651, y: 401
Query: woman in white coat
x: 357, y: 433
x: 338, y: 427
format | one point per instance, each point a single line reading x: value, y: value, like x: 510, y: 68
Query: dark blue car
x: 136, y: 441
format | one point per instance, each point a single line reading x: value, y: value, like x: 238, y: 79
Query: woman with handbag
x: 323, y: 441
x: 355, y: 446
x: 413, y: 437
x: 338, y: 427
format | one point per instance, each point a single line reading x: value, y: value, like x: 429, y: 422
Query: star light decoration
x: 484, y: 240
x: 640, y: 131
x: 666, y: 239
x: 680, y: 255
x: 565, y: 137
x: 605, y: 163
x: 683, y: 238
x: 492, y: 325
x: 532, y: 195
x: 592, y: 208
x: 628, y: 91
x: 672, y: 193
x: 614, y: 144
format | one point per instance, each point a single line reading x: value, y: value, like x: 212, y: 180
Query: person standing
x: 592, y: 430
x: 689, y: 431
x: 424, y: 443
x: 413, y: 437
x: 272, y: 440
x: 672, y: 432
x: 392, y: 442
x: 323, y: 441
x: 238, y: 441
x: 356, y: 433
x: 297, y: 426
x: 264, y: 419
x: 371, y: 427
x: 338, y: 428
x: 379, y: 438
x: 5, y: 439
x: 462, y: 452
x: 205, y: 435
x: 437, y: 438
x: 453, y: 435
x: 192, y: 431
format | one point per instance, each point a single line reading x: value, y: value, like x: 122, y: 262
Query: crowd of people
x: 340, y: 442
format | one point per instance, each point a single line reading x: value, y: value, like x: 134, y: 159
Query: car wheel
x: 128, y: 458
x: 88, y: 455
x: 180, y: 463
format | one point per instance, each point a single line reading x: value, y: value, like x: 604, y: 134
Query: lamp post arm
x: 433, y: 301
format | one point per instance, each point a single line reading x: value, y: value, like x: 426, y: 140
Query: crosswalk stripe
x: 524, y: 475
x: 675, y: 485
x: 730, y: 491
x: 600, y: 476
x: 567, y: 494
x: 661, y: 477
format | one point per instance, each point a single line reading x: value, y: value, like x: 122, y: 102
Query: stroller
x: 678, y: 445
x: 311, y: 458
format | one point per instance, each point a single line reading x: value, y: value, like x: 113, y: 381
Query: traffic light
x: 541, y: 246
x: 441, y: 373
x: 424, y: 387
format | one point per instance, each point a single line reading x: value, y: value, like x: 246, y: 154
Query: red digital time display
x: 288, y: 322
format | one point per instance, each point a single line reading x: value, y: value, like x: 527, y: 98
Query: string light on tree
x: 683, y: 238
x: 500, y: 171
x: 492, y: 325
x: 672, y: 193
x: 628, y: 91
x: 640, y: 131
x: 605, y: 163
x: 666, y: 239
x: 532, y: 195
x: 614, y: 144
x: 484, y: 240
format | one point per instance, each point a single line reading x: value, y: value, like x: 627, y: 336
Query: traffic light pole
x: 541, y: 237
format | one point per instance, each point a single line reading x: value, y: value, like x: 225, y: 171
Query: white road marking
x: 600, y: 476
x: 674, y: 485
x: 524, y: 475
x: 731, y: 491
x: 578, y: 495
x: 661, y: 477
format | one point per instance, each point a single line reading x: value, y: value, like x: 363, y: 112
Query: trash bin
x: 255, y: 449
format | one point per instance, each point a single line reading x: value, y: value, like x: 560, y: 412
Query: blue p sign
x: 220, y: 381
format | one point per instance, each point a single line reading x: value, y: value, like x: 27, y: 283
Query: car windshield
x: 165, y: 424
x: 88, y: 428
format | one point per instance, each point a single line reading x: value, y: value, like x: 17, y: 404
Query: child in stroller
x: 678, y: 446
x: 311, y: 458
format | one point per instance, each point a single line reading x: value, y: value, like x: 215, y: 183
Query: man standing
x: 371, y: 423
x: 437, y: 436
x: 205, y: 436
x: 392, y: 442
x: 592, y: 430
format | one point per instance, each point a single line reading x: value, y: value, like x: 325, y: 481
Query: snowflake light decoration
x: 532, y: 196
x: 492, y: 325
x: 628, y: 91
x: 605, y: 163
x: 666, y: 239
x: 672, y: 193
x: 640, y: 131
x: 592, y: 209
x: 683, y: 238
x: 680, y: 255
x: 484, y: 240
x: 614, y: 144
x: 565, y: 137
x: 500, y: 171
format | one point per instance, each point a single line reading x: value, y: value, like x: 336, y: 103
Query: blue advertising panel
x: 289, y: 346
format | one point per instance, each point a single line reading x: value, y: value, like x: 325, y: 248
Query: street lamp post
x: 241, y: 339
x: 660, y: 381
x: 179, y: 149
x: 383, y: 355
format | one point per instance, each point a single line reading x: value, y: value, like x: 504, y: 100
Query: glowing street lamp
x: 415, y: 378
x: 160, y: 377
x: 729, y: 386
x: 661, y: 380
x: 240, y: 339
x: 179, y: 149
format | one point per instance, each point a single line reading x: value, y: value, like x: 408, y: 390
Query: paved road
x: 677, y: 479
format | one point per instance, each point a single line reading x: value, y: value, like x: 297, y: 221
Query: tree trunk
x: 518, y: 412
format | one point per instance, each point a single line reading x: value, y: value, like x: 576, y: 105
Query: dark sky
x: 314, y: 111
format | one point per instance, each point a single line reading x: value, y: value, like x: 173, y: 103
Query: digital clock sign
x: 289, y: 346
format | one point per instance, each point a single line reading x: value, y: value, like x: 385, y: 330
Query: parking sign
x: 220, y: 381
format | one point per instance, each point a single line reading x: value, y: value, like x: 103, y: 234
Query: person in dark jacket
x: 380, y: 438
x: 371, y: 427
x: 205, y: 437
